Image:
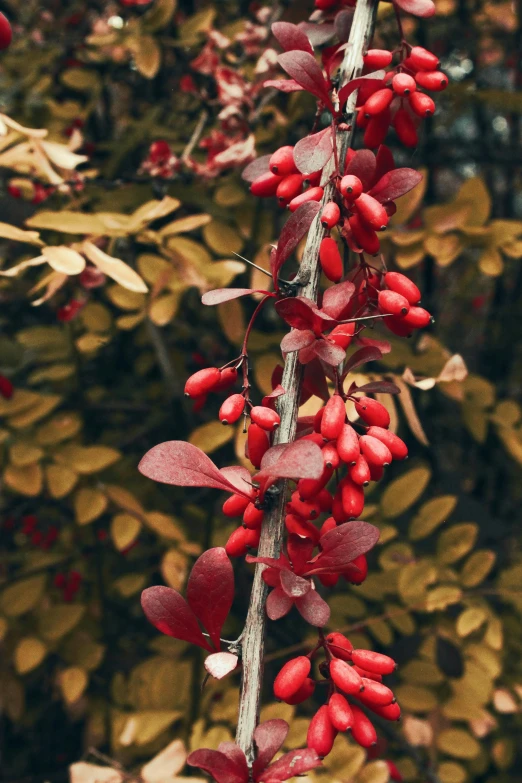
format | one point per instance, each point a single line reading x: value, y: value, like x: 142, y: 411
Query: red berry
x: 352, y: 498
x: 357, y: 570
x: 405, y: 128
x: 330, y: 259
x: 252, y: 538
x: 265, y: 185
x: 375, y: 451
x: 373, y: 661
x: 403, y: 84
x: 265, y: 418
x: 291, y: 677
x: 435, y: 81
x: 228, y: 378
x: 372, y: 412
x: 91, y: 277
x: 364, y: 236
x: 232, y: 409
x: 309, y: 488
x: 377, y: 58
x: 345, y: 677
x: 312, y: 194
x: 396, y: 445
x: 317, y: 419
x: 421, y: 104
x: 423, y: 59
x: 395, y: 775
x: 330, y: 456
x: 375, y: 693
x: 236, y: 545
x: 235, y: 505
x: 378, y: 102
x: 339, y: 646
x: 372, y: 212
x: 342, y: 335
x: 360, y: 472
x: 6, y: 388
x: 321, y: 733
x: 305, y: 691
x: 363, y: 730
x: 289, y: 188
x: 282, y: 162
x: 348, y: 445
x: 330, y: 215
x: 159, y: 151
x: 253, y: 517
x: 351, y: 187
x: 403, y: 285
x: 390, y: 712
x: 377, y: 129
x: 6, y: 34
x: 307, y: 510
x: 417, y: 318
x: 392, y: 302
x: 202, y: 382
x: 369, y: 675
x: 333, y: 417
x: 257, y: 444
x: 340, y: 712
x: 324, y: 500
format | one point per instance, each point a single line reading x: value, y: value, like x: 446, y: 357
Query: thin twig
x: 196, y: 134
x: 162, y: 355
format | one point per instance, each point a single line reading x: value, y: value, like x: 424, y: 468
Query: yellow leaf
x: 504, y: 701
x: 470, y: 620
x: 229, y: 195
x: 174, y: 568
x: 431, y: 515
x: 421, y: 672
x: 477, y: 567
x: 21, y: 400
x: 458, y: 743
x: 157, y: 17
x: 475, y: 193
x: 128, y: 322
x: 68, y: 222
x: 374, y: 772
x: 124, y: 530
x: 445, y: 249
x: 408, y: 257
x: 211, y: 436
x: 21, y: 597
x: 163, y: 309
x: 87, y: 459
x: 164, y: 525
x: 55, y: 372
x: 124, y: 499
x: 18, y: 235
x: 147, y: 55
x: 447, y: 217
x: 130, y: 584
x: 418, y: 732
x: 222, y: 239
x: 197, y: 24
x: 96, y: 317
x: 4, y: 627
x: 63, y: 259
x: 89, y: 504
x: 60, y: 480
x: 27, y: 480
x: 512, y: 441
x: 114, y: 268
x: 232, y: 322
x: 414, y: 578
x: 90, y: 343
x: 151, y: 211
x: 29, y: 654
x: 82, y: 772
x: 442, y: 597
x: 73, y: 682
x: 450, y: 772
x: 43, y: 407
x: 490, y: 262
x: 24, y: 453
x: 345, y: 760
x: 185, y: 224
x: 125, y: 299
x: 456, y: 542
x: 408, y: 204
x: 404, y: 492
x: 59, y: 428
x: 415, y: 698
x: 83, y: 79
x: 59, y: 620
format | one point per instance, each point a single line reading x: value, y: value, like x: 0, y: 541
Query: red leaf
x: 219, y: 295
x: 293, y: 231
x: 291, y: 37
x: 219, y: 664
x: 268, y: 400
x: 347, y: 89
x: 297, y: 312
x: 318, y: 34
x: 271, y: 562
x: 215, y: 763
x: 313, y: 609
x: 179, y: 463
x: 278, y: 604
x: 363, y: 355
x: 384, y: 162
x: 269, y: 737
x: 383, y: 345
x: 168, y: 611
x: 380, y: 387
x: 301, y: 459
x: 342, y: 545
x: 395, y: 184
x: 423, y: 8
x: 337, y: 298
x: 296, y: 762
x: 363, y: 165
x: 312, y: 153
x: 284, y: 85
x: 314, y: 380
x: 235, y: 755
x: 294, y: 586
x: 297, y: 339
x: 256, y: 168
x: 329, y: 353
x: 302, y: 67
x: 299, y: 551
x: 210, y: 591
x: 240, y: 478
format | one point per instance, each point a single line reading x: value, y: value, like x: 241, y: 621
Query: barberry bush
x: 307, y: 584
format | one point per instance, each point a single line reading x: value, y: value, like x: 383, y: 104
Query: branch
x: 273, y: 525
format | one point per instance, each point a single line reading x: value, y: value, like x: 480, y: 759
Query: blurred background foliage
x: 98, y: 367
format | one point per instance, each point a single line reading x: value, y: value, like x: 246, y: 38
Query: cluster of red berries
x: 40, y: 192
x: 69, y: 311
x: 212, y: 379
x: 399, y: 101
x: 69, y: 584
x: 286, y: 183
x: 354, y: 678
x: 160, y: 160
x: 43, y: 539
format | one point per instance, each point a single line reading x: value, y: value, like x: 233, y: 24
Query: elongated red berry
x: 403, y: 84
x: 417, y: 318
x: 403, y: 285
x: 357, y: 570
x: 282, y: 161
x: 265, y: 185
x: 395, y: 775
x: 324, y: 500
x: 396, y: 445
x: 309, y: 488
x: 364, y: 236
x: 232, y: 409
x: 351, y: 187
x: 202, y: 382
x: 363, y: 730
x: 368, y: 675
x: 405, y: 128
x: 373, y: 661
x: 305, y: 692
x: 305, y: 509
x: 377, y: 58
x: 340, y: 712
x: 375, y: 451
x: 389, y: 712
x: 333, y: 417
x: 236, y: 545
x: 321, y: 733
x: 312, y: 194
x: 345, y: 677
x: 266, y: 418
x: 360, y: 472
x: 235, y: 505
x: 421, y: 104
x: 6, y: 34
x: 378, y: 102
x: 392, y: 302
x: 348, y: 445
x: 228, y: 378
x: 330, y: 456
x: 434, y: 81
x: 342, y: 335
x: 317, y: 419
x: 352, y: 498
x: 372, y: 212
x: 253, y: 517
x: 330, y: 259
x: 252, y: 537
x: 339, y: 646
x: 291, y: 677
x: 330, y: 215
x: 423, y: 59
x: 328, y: 580
x: 376, y: 693
x: 377, y: 129
x: 258, y: 443
x: 289, y: 188
x: 338, y: 512
x: 372, y: 411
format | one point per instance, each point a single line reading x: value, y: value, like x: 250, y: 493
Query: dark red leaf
x: 312, y: 153
x: 302, y: 67
x: 219, y: 295
x: 329, y: 352
x: 363, y: 165
x: 179, y: 463
x: 269, y: 737
x: 380, y: 387
x: 168, y: 611
x: 337, y: 298
x: 384, y: 162
x: 313, y: 609
x: 235, y: 755
x: 216, y: 764
x: 363, y: 355
x: 299, y: 551
x: 256, y: 168
x: 284, y: 85
x: 314, y: 380
x: 278, y: 604
x: 383, y: 345
x: 210, y: 591
x: 297, y: 312
x: 271, y: 562
x: 342, y: 545
x: 395, y: 184
x: 318, y: 34
x: 295, y: 762
x: 301, y: 459
x: 347, y: 89
x: 219, y: 664
x: 423, y: 8
x: 297, y: 339
x: 269, y: 400
x: 343, y: 23
x: 293, y: 231
x: 291, y: 37
x: 293, y: 585
x: 240, y: 478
